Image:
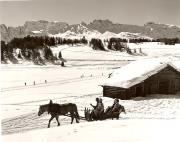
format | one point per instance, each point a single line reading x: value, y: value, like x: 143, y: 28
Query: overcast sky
x: 14, y: 13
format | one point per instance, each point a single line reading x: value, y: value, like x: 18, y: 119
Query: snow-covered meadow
x: 147, y: 119
x: 108, y: 131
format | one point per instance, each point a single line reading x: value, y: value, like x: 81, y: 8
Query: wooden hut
x: 140, y: 78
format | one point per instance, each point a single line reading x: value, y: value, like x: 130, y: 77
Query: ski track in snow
x: 139, y: 108
x: 30, y: 121
x: 49, y: 83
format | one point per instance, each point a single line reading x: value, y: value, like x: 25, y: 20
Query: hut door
x: 139, y: 91
x: 164, y: 86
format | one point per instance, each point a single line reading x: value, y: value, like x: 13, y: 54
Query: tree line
x: 166, y: 41
x: 119, y: 44
x: 38, y: 49
x: 31, y: 48
x: 115, y: 44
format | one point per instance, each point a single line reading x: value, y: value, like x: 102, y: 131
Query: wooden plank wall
x: 114, y: 92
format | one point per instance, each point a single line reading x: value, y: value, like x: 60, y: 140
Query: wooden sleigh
x: 90, y: 116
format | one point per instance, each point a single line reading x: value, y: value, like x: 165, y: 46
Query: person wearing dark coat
x: 98, y: 109
x: 114, y: 108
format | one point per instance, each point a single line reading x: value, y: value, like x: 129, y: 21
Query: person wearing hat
x: 93, y: 113
x: 97, y: 101
x: 116, y: 105
x: 100, y: 106
x: 98, y: 109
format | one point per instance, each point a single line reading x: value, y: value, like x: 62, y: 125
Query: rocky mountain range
x: 97, y: 27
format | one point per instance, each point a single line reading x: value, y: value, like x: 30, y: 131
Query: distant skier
x: 109, y: 76
x: 60, y: 55
x: 140, y: 51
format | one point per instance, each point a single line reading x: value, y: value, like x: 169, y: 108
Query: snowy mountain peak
x: 81, y: 28
x: 107, y: 35
x: 97, y: 27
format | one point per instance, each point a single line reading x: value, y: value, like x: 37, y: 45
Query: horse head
x: 42, y: 109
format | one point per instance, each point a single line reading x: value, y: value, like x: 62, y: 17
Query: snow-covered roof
x: 137, y: 71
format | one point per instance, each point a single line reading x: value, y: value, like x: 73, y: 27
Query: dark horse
x: 59, y: 109
x: 106, y: 115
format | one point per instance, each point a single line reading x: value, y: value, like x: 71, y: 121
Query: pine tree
x: 3, y: 50
x: 19, y: 54
x: 62, y: 64
x: 48, y: 53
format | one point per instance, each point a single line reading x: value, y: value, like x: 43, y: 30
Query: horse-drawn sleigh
x: 70, y: 110
x: 104, y: 115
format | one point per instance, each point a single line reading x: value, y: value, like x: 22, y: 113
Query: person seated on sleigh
x: 98, y: 109
x: 114, y: 108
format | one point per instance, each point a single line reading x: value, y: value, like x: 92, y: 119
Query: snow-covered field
x: 154, y: 118
x: 107, y: 131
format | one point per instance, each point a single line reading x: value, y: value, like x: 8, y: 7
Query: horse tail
x: 76, y: 112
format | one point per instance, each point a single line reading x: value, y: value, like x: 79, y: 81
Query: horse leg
x: 50, y: 121
x: 77, y: 121
x: 72, y: 117
x: 57, y: 120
